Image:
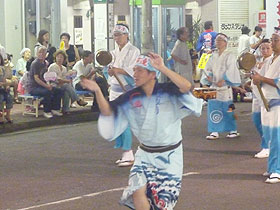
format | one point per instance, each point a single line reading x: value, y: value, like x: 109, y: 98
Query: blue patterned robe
x: 222, y: 67
x: 155, y: 121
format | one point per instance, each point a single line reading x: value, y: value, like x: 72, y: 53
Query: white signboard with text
x: 78, y: 36
x: 230, y: 22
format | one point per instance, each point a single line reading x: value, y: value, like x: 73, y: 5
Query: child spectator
x: 5, y: 95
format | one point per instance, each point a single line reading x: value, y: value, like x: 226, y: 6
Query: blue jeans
x: 52, y: 98
x: 69, y: 93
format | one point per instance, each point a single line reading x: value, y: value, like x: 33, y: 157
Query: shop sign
x: 262, y: 19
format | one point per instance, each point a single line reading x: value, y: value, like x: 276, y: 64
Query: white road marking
x: 88, y: 195
x: 191, y: 173
x: 72, y: 199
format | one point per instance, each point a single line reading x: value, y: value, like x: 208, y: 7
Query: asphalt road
x: 72, y: 168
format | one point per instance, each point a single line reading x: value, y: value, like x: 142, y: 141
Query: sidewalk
x: 20, y: 122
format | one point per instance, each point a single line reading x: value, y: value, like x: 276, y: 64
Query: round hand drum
x: 246, y: 61
x: 104, y: 58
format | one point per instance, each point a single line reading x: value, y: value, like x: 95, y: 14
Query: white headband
x: 121, y: 29
x: 222, y: 37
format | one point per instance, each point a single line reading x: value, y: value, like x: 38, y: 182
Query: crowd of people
x: 137, y: 103
x: 152, y: 182
x: 31, y: 75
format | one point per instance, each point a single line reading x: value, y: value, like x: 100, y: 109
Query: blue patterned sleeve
x: 187, y: 105
x: 277, y: 83
x: 110, y: 127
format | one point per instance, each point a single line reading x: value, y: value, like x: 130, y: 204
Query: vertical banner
x: 272, y: 15
x: 262, y: 19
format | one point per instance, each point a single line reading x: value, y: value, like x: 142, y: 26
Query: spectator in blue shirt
x: 206, y: 40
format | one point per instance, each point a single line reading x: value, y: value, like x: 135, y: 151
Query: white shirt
x: 124, y: 59
x: 61, y: 74
x: 254, y: 40
x: 81, y: 70
x: 21, y: 66
x: 272, y: 71
x: 244, y: 43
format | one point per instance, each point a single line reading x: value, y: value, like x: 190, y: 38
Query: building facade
x: 90, y: 22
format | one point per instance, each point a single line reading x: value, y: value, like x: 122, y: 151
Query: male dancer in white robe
x: 222, y: 73
x: 125, y: 55
x: 266, y: 51
x: 270, y: 83
x: 154, y: 112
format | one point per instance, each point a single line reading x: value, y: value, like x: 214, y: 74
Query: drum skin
x: 247, y: 61
x: 104, y: 58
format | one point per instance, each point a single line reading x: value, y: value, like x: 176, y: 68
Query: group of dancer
x: 268, y: 76
x: 221, y: 73
x: 153, y: 112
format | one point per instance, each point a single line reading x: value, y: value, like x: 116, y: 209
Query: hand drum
x: 104, y: 58
x: 247, y: 61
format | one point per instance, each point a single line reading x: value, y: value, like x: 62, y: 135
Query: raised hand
x: 89, y: 84
x: 156, y: 60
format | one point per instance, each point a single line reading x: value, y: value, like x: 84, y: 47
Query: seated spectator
x: 64, y: 83
x: 23, y: 82
x: 37, y: 86
x: 5, y: 95
x: 11, y: 79
x: 21, y: 63
x: 84, y: 68
x: 71, y: 50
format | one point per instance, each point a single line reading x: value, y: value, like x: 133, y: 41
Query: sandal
x: 212, y: 136
x: 125, y: 163
x: 272, y: 180
x: 233, y: 135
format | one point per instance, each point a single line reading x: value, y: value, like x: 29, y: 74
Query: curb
x: 29, y: 122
